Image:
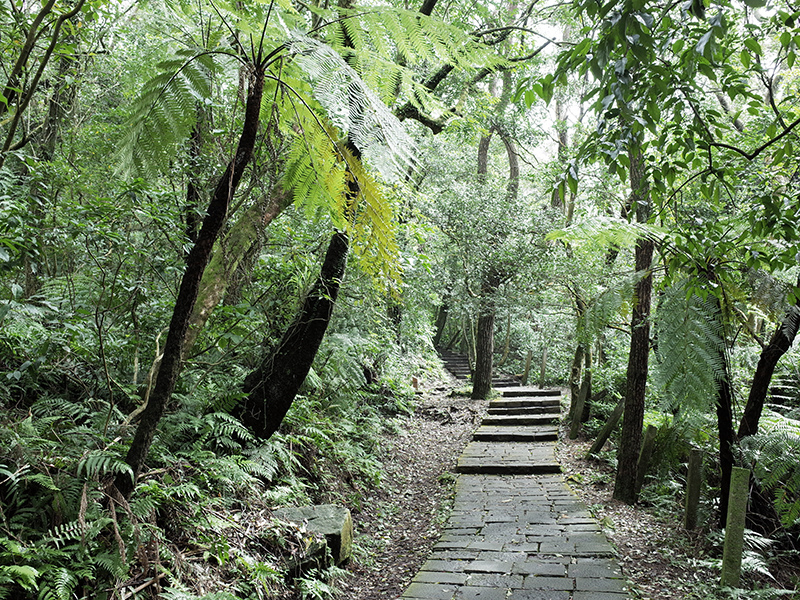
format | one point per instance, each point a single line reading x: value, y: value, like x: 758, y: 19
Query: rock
x: 328, y: 520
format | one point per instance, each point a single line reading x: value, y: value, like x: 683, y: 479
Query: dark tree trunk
x: 575, y: 377
x: 779, y: 344
x: 187, y: 294
x: 441, y: 321
x: 631, y: 438
x: 484, y: 346
x: 273, y: 386
x: 192, y: 219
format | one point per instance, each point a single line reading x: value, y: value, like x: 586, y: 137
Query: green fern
x: 97, y: 463
x: 690, y: 346
x: 773, y: 455
x: 607, y: 306
x: 165, y: 112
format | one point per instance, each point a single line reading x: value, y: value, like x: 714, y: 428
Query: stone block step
x: 517, y: 402
x: 524, y: 410
x: 530, y: 391
x: 504, y: 433
x: 523, y: 419
x: 512, y: 458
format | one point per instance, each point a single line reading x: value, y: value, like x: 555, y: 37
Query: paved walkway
x: 516, y: 531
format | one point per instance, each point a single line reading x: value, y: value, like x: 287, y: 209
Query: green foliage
x: 772, y: 455
x: 690, y: 350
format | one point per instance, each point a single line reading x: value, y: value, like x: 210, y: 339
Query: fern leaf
x: 690, y: 344
x: 352, y: 107
x: 165, y: 112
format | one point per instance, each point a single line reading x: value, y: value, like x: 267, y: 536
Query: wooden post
x: 694, y: 478
x: 527, y: 371
x: 607, y: 429
x: 734, y: 528
x: 544, y: 368
x: 645, y: 454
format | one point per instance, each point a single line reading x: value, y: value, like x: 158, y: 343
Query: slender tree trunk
x: 631, y: 439
x: 273, y: 386
x: 726, y: 438
x: 441, y: 322
x: 484, y: 345
x: 190, y: 282
x: 225, y: 259
x: 779, y: 344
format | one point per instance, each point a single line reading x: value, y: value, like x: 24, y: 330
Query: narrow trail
x: 517, y: 532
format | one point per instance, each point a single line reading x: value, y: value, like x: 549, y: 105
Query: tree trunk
x: 631, y: 438
x: 726, y: 438
x: 273, y: 386
x: 190, y: 282
x: 779, y: 344
x: 575, y: 376
x: 228, y: 254
x: 484, y: 339
x: 441, y: 321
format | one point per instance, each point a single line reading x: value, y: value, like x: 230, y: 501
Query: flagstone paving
x: 517, y: 532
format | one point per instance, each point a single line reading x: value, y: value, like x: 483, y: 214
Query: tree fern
x: 165, y: 111
x: 690, y: 343
x: 773, y: 455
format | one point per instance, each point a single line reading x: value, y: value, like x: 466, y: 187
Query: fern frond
x: 773, y: 453
x: 352, y: 107
x: 690, y: 346
x: 390, y: 33
x: 606, y: 232
x: 96, y: 463
x: 165, y: 111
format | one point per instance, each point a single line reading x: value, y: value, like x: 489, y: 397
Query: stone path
x: 516, y: 531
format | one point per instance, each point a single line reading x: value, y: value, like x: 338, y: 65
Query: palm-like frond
x: 165, y: 112
x: 351, y: 106
x: 690, y: 347
x: 773, y: 453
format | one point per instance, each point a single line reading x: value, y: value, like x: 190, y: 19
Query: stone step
x: 505, y: 419
x: 525, y: 410
x: 530, y: 392
x: 517, y: 402
x: 511, y: 458
x: 522, y: 433
x: 505, y: 383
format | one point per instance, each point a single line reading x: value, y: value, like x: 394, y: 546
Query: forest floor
x: 399, y: 524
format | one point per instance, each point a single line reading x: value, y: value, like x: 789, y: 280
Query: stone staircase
x: 516, y: 531
x: 517, y: 435
x: 458, y: 365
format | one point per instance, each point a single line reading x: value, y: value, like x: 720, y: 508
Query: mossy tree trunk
x: 272, y: 387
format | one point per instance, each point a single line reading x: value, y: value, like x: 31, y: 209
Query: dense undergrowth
x: 200, y: 522
x: 771, y: 560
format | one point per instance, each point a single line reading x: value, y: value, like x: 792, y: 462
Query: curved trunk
x: 779, y: 344
x: 273, y: 386
x: 196, y: 263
